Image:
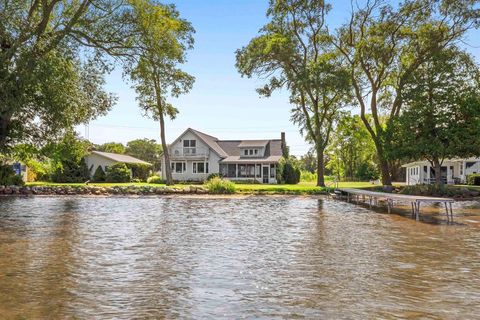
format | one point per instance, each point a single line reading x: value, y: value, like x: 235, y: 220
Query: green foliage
x: 385, y: 44
x: 293, y: 51
x: 352, y: 154
x: 441, y: 118
x: 367, y: 171
x: 139, y: 171
x: 473, y: 179
x: 155, y: 180
x: 99, y: 175
x: 220, y: 186
x: 434, y: 190
x: 147, y: 150
x: 163, y: 40
x: 288, y: 171
x: 213, y: 175
x: 118, y: 172
x: 112, y: 147
x: 8, y: 176
x: 66, y: 156
x: 307, y: 176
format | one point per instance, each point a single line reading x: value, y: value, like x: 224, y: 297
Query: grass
x: 301, y: 188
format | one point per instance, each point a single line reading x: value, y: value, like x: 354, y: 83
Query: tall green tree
x: 67, y: 158
x: 384, y: 45
x: 164, y: 38
x: 51, y: 66
x: 293, y: 51
x: 351, y: 151
x: 145, y: 149
x: 441, y: 117
x: 112, y: 147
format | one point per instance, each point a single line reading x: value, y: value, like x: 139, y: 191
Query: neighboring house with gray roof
x: 194, y: 155
x: 106, y: 159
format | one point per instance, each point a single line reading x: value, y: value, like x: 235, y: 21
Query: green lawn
x: 301, y: 188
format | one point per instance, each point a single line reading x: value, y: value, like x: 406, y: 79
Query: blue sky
x: 221, y: 103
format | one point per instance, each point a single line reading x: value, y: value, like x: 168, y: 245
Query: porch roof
x: 239, y: 160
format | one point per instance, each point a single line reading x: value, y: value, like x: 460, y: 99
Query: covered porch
x: 259, y: 172
x: 422, y: 172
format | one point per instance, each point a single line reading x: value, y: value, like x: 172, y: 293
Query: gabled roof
x: 211, y: 142
x: 120, y: 157
x: 227, y: 149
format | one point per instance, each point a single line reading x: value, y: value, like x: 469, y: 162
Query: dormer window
x: 189, y: 147
x: 250, y: 152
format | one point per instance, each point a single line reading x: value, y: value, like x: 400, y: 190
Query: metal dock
x: 416, y: 201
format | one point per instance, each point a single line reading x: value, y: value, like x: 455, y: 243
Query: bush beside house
x: 118, y: 172
x: 473, y: 179
x: 287, y: 171
x: 99, y: 175
x: 8, y: 176
x: 220, y: 186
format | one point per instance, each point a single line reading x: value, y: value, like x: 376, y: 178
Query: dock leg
x: 370, y: 202
x: 447, y: 212
x: 389, y: 206
x: 417, y: 214
x: 451, y: 213
x: 413, y: 209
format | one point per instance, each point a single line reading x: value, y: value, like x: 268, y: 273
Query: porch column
x: 236, y: 170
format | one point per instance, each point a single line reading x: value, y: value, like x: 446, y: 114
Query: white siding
x: 94, y: 160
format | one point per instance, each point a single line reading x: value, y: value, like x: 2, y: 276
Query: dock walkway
x: 415, y: 201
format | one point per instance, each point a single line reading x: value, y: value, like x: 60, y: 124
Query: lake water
x: 253, y: 257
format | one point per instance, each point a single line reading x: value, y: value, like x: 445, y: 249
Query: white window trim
x: 174, y: 165
x: 195, y: 167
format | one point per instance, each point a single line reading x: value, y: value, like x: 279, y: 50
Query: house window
x: 272, y: 171
x: 259, y: 171
x: 189, y: 147
x: 256, y: 151
x: 250, y: 152
x: 245, y: 152
x: 178, y: 167
x: 189, y: 143
x: 200, y: 167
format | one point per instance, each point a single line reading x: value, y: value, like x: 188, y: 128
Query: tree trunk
x: 166, y: 156
x: 320, y: 167
x: 384, y: 169
x: 4, y: 128
x: 437, y: 167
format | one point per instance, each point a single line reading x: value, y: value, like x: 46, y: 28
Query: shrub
x: 307, y: 176
x: 139, y: 170
x: 287, y: 171
x: 473, y: 179
x: 155, y: 180
x: 118, y: 173
x: 8, y: 177
x: 219, y: 185
x: 99, y: 175
x: 213, y: 175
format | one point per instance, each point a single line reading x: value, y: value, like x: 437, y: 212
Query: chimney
x: 284, y: 144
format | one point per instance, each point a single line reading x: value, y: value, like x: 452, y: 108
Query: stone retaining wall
x: 96, y: 190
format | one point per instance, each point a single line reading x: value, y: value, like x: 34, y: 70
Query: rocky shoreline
x: 100, y: 191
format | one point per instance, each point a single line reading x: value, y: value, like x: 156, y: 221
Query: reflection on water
x: 233, y: 257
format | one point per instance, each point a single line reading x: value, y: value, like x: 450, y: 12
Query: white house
x: 194, y: 155
x: 106, y: 159
x: 453, y: 171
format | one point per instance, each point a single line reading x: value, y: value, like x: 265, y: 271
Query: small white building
x: 453, y: 171
x: 106, y: 159
x: 195, y: 155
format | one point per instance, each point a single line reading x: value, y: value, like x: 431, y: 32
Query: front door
x: 265, y: 174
